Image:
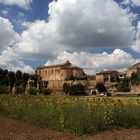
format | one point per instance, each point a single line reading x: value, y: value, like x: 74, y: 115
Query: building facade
x: 107, y: 76
x: 133, y: 69
x: 56, y: 75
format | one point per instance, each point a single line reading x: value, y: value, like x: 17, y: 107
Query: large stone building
x: 56, y: 75
x: 133, y: 69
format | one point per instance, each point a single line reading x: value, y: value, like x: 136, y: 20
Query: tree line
x: 10, y: 79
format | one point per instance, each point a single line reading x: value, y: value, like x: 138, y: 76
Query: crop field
x: 77, y: 115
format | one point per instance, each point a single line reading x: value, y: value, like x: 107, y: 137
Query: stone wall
x: 135, y: 88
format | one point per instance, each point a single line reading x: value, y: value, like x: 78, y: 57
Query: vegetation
x: 33, y: 91
x: 73, y: 114
x: 19, y: 90
x: 134, y: 79
x: 74, y: 89
x: 3, y: 89
x: 124, y: 85
x: 101, y: 87
x: 10, y: 80
x: 46, y: 91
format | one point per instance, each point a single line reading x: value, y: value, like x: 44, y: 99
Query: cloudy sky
x: 93, y: 34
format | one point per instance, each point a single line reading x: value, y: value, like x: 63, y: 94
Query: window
x: 45, y: 72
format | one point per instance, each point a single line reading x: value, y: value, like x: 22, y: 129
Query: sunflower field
x: 77, y: 115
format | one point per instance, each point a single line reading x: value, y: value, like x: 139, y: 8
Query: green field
x: 78, y: 115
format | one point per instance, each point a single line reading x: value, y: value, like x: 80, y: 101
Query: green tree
x: 18, y: 78
x: 34, y: 78
x: 25, y: 78
x: 124, y: 85
x: 12, y: 80
x: 66, y: 88
x: 74, y: 89
x: 101, y: 87
x: 134, y: 79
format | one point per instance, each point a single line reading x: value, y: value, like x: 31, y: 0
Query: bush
x: 3, y: 89
x: 19, y: 90
x: 74, y: 89
x: 46, y: 91
x: 101, y: 88
x: 124, y: 85
x: 33, y: 91
x: 108, y: 94
x: 66, y: 88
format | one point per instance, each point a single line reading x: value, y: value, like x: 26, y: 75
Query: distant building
x: 56, y: 75
x: 133, y: 69
x: 107, y: 76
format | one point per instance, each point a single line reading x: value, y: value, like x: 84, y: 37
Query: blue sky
x: 95, y: 35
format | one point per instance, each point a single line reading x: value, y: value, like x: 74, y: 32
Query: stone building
x: 133, y: 69
x: 107, y: 76
x: 56, y: 75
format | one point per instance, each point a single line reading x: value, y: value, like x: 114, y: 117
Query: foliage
x: 34, y: 78
x: 33, y: 91
x: 18, y: 77
x: 74, y: 89
x: 108, y: 94
x: 19, y: 90
x: 11, y: 79
x: 66, y: 88
x: 3, y: 89
x: 134, y: 79
x: 73, y: 114
x: 124, y: 85
x: 101, y: 87
x: 46, y: 91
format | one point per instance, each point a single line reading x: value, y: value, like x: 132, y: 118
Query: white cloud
x: 10, y: 60
x: 7, y: 34
x: 136, y: 44
x: 91, y: 23
x: 8, y: 56
x: 4, y: 12
x: 131, y: 2
x: 77, y: 25
x: 21, y: 3
x: 96, y: 62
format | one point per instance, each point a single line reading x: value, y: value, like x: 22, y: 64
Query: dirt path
x: 11, y: 129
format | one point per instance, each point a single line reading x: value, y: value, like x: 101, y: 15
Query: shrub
x: 3, y: 89
x: 19, y: 90
x: 123, y: 86
x: 66, y: 88
x: 101, y: 88
x: 74, y: 89
x: 108, y: 94
x: 33, y: 91
x: 46, y: 91
x: 77, y: 89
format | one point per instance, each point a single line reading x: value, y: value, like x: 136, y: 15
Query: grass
x: 78, y: 115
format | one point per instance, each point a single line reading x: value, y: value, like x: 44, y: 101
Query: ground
x: 11, y: 129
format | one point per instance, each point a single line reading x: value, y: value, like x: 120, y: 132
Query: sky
x: 95, y: 35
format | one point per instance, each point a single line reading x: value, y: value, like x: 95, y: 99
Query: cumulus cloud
x: 21, y: 3
x: 136, y: 44
x: 131, y: 2
x: 8, y: 56
x: 11, y: 61
x: 96, y: 62
x: 91, y: 23
x: 77, y: 25
x: 7, y: 34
